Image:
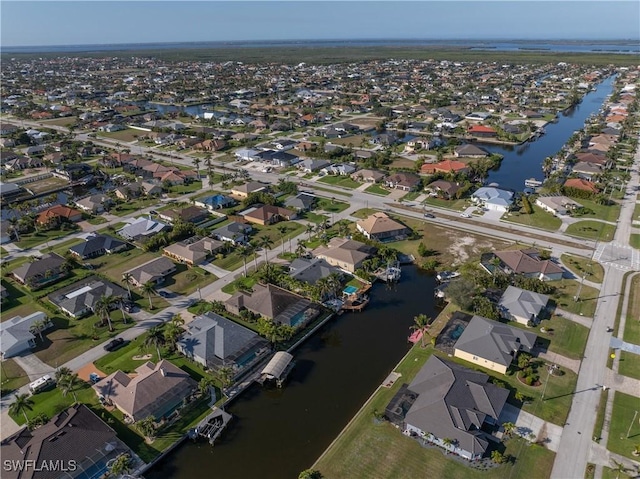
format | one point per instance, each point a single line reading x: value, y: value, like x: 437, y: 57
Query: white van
x: 41, y: 384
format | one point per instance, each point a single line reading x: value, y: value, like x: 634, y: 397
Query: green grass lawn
x: 293, y: 229
x: 114, y: 265
x: 457, y: 205
x: 331, y: 205
x: 624, y: 422
x: 376, y: 189
x: 313, y: 217
x: 538, y: 219
x: 179, y: 190
x: 338, y: 180
x: 371, y: 450
x: 566, y: 337
x: 601, y: 212
x: 579, y: 266
x: 629, y: 365
x: 71, y: 337
x: 97, y: 220
x: 363, y: 213
x: 127, y: 135
x: 232, y: 287
x: 595, y: 230
x: 330, y: 191
x: 632, y: 323
x: 566, y: 290
x: 132, y: 206
x: 30, y: 240
x: 634, y: 241
x: 602, y: 406
x: 12, y: 376
x: 411, y: 196
x: 610, y: 473
x: 230, y: 260
x: 187, y: 280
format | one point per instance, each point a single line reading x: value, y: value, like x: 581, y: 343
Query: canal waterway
x: 278, y: 433
x: 525, y: 161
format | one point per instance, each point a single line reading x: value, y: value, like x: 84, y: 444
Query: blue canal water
x: 275, y: 434
x: 525, y: 161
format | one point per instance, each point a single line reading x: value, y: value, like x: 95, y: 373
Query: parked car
x: 114, y: 344
x: 465, y: 215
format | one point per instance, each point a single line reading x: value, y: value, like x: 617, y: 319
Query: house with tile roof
x: 448, y: 405
x: 194, y: 250
x: 345, y: 254
x: 446, y: 166
x: 482, y: 131
x: 403, y: 181
x: 156, y: 390
x: 214, y: 341
x: 526, y: 262
x: 57, y: 214
x: 470, y: 151
x: 491, y: 344
x: 311, y: 270
x: 580, y: 184
x: 269, y: 214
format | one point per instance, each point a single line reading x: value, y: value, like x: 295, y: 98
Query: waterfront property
x: 80, y: 298
x: 491, y: 344
x: 379, y: 226
x: 522, y: 306
x: 156, y: 390
x: 493, y: 199
x: 526, y: 262
x: 75, y: 441
x: 214, y: 341
x: 344, y: 253
x: 557, y: 205
x: 18, y: 334
x: 311, y: 270
x: 451, y: 406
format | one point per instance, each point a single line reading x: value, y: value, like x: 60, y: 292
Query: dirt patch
x: 459, y: 249
x: 142, y: 357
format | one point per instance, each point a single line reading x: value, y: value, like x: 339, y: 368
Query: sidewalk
x: 576, y: 318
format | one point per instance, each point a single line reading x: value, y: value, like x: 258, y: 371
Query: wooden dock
x: 357, y: 304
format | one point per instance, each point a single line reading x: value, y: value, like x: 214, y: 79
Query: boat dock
x: 390, y: 274
x: 356, y: 304
x: 212, y: 426
x: 277, y: 369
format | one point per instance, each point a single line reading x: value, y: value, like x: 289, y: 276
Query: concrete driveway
x: 546, y: 433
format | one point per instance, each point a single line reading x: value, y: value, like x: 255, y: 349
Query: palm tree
x: 68, y: 384
x: 225, y: 376
x: 310, y: 229
x: 149, y: 288
x: 147, y: 427
x: 61, y: 372
x: 103, y: 309
x: 121, y: 306
x: 127, y: 279
x: 282, y: 229
x: 177, y: 319
x: 343, y: 229
x: 497, y: 456
x: 421, y: 323
x: 300, y: 250
x: 196, y: 162
x: 37, y: 327
x: 447, y: 442
x: 171, y: 334
x: 266, y: 243
x: 204, y: 385
x: 619, y: 468
x: 244, y: 252
x: 121, y: 465
x: 155, y: 338
x: 509, y: 428
x: 22, y: 404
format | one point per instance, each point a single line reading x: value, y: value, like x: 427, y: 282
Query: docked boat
x: 532, y: 183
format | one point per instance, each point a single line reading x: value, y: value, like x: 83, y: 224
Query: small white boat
x: 532, y: 183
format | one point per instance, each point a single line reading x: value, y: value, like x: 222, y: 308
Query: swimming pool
x: 350, y: 289
x: 457, y: 332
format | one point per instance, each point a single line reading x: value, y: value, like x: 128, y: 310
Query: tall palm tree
x: 171, y: 334
x: 177, y: 319
x: 149, y: 288
x: 37, y: 327
x: 244, y: 252
x: 22, y: 404
x: 310, y: 229
x: 68, y: 384
x: 266, y: 243
x: 420, y: 323
x: 61, y: 372
x: 103, y: 309
x: 147, y: 427
x: 196, y: 162
x: 155, y: 339
x: 121, y: 465
x: 127, y: 279
x: 225, y: 376
x: 282, y: 229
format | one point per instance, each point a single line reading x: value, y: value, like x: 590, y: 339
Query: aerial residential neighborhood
x: 442, y: 253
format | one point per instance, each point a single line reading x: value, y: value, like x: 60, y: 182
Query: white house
x: 16, y: 333
x: 493, y: 198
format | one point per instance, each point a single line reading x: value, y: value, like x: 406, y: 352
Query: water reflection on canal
x: 278, y: 433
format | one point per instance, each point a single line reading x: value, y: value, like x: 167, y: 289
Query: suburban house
x: 379, y: 226
x: 47, y: 269
x: 344, y: 253
x: 310, y: 165
x: 141, y: 228
x: 521, y: 305
x: 215, y: 202
x: 580, y: 184
x: 526, y: 262
x: 482, y: 131
x: 447, y: 166
x: 470, y: 151
x: 301, y: 202
x: 18, y: 335
x: 275, y: 303
x: 311, y: 270
x: 338, y: 169
x: 557, y: 205
x: 245, y: 190
x: 155, y: 271
x: 215, y: 342
x: 96, y: 245
x: 75, y: 443
x: 94, y: 204
x: 491, y: 344
x: 57, y: 214
x: 194, y: 250
x: 269, y: 214
x: 80, y: 298
x: 403, y: 181
x: 190, y: 214
x: 368, y: 175
x: 157, y: 390
x: 494, y: 199
x: 234, y: 233
x: 128, y: 192
x: 446, y: 189
x: 448, y: 405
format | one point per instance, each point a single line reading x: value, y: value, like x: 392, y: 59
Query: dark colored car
x: 429, y: 215
x: 113, y: 345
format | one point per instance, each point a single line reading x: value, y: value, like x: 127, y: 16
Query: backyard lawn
x: 538, y: 219
x: 12, y: 376
x: 379, y: 450
x: 187, y: 280
x: 624, y: 428
x: 377, y: 190
x: 595, y: 230
x: 313, y: 217
x: 579, y: 265
x: 338, y: 180
x: 179, y: 190
x: 601, y: 212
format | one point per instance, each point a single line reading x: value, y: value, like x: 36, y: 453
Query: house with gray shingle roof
x: 142, y: 228
x: 16, y: 333
x: 491, y: 344
x: 96, y: 245
x: 80, y: 298
x: 521, y: 305
x: 214, y: 342
x: 311, y: 270
x: 448, y: 401
x: 155, y: 271
x: 47, y: 269
x: 301, y: 202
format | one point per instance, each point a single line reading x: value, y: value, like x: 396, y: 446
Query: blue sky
x: 94, y: 22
